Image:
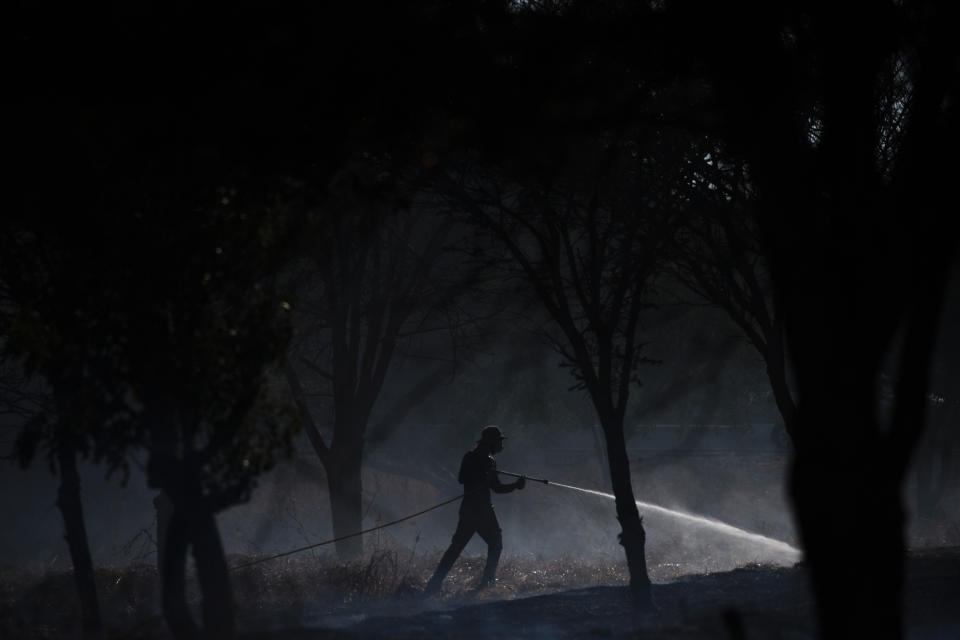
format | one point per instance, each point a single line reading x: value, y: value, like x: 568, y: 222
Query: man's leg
x: 465, y: 531
x: 489, y: 530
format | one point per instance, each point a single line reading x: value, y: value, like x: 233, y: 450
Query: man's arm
x: 493, y: 479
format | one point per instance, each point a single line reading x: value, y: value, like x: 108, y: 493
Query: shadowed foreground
x: 755, y: 602
x: 530, y: 601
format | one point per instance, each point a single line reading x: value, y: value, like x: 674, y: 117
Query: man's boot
x: 433, y: 585
x: 490, y: 569
x: 486, y: 583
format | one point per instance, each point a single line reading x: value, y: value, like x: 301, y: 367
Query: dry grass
x: 43, y: 604
x: 39, y: 604
x: 387, y: 573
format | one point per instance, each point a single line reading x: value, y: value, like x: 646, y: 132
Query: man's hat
x: 491, y: 433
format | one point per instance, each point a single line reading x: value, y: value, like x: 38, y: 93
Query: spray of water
x: 715, y: 525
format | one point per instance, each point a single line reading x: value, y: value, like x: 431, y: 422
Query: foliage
x: 589, y: 246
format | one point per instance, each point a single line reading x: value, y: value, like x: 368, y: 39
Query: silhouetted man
x: 478, y: 475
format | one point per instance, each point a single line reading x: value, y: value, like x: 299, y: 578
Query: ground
x: 752, y: 602
x: 378, y: 598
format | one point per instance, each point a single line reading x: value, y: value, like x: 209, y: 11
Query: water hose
x: 382, y: 526
x: 520, y: 475
x: 351, y: 535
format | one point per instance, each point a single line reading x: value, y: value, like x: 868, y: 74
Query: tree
x: 202, y: 338
x: 850, y: 150
x: 56, y: 365
x: 153, y: 335
x: 140, y: 255
x: 590, y: 255
x: 718, y: 255
x: 383, y: 283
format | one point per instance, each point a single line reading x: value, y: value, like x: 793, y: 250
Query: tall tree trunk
x: 218, y: 609
x: 935, y: 466
x: 342, y: 462
x: 163, y: 508
x: 71, y: 508
x: 633, y: 537
x: 174, y: 577
x: 847, y: 476
x: 850, y: 519
x: 777, y: 374
x: 192, y: 526
x: 345, y: 486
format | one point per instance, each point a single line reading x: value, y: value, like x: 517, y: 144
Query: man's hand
x: 521, y: 483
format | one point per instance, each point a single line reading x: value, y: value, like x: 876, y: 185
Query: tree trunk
x: 850, y: 519
x: 218, y: 609
x: 163, y: 508
x: 633, y: 537
x: 345, y: 487
x: 777, y: 373
x: 935, y: 460
x: 930, y: 472
x: 71, y: 508
x: 174, y: 578
x: 192, y: 526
